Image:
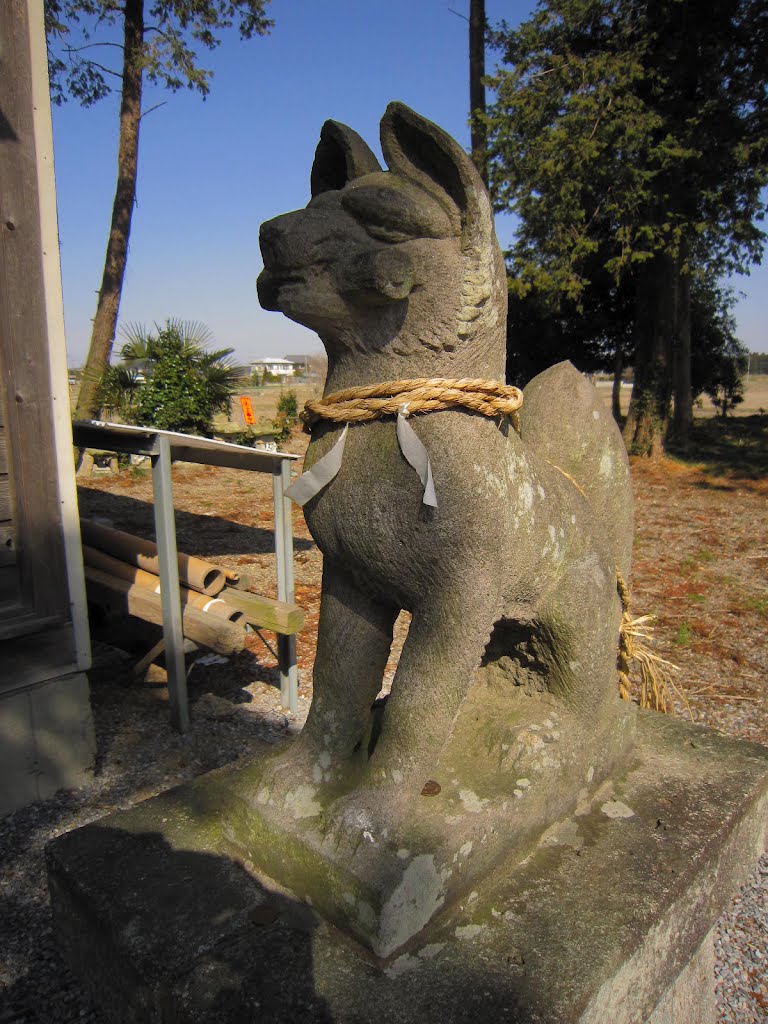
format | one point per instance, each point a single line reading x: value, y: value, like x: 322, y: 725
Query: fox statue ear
x: 416, y: 149
x: 420, y: 151
x: 341, y: 156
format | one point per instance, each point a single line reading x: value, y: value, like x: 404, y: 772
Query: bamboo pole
x: 122, y: 570
x: 120, y: 595
x: 195, y: 573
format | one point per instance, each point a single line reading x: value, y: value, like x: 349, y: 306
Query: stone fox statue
x: 512, y: 577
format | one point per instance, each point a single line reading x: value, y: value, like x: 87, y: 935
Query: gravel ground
x: 700, y: 561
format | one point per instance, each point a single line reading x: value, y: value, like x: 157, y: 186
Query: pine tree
x: 635, y: 134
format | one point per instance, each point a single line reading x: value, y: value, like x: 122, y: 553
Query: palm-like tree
x: 119, y: 390
x: 170, y: 377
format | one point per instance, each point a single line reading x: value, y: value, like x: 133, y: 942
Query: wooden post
x: 48, y: 740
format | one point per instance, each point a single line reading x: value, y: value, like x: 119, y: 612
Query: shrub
x: 289, y: 406
x: 171, y: 379
x: 287, y: 415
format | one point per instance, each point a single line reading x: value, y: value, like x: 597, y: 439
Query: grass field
x: 755, y: 398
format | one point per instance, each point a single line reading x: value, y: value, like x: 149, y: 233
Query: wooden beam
x: 278, y: 616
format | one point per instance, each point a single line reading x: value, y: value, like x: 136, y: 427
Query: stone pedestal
x: 608, y: 919
x: 47, y: 740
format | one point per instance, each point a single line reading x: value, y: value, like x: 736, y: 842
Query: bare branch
x: 160, y: 32
x: 458, y: 14
x: 90, y: 46
x: 600, y: 118
x: 149, y: 111
x: 93, y: 63
x: 550, y: 71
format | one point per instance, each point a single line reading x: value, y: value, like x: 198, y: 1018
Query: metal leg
x: 286, y: 645
x: 165, y: 528
x: 289, y: 672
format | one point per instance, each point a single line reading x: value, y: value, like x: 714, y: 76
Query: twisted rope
x: 422, y: 394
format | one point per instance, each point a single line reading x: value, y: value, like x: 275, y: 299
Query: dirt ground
x: 700, y: 563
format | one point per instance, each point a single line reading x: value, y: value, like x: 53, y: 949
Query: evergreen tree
x: 633, y: 134
x: 718, y: 359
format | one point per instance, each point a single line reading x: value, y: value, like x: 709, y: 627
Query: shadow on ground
x: 213, y: 535
x: 735, y: 447
x: 184, y: 927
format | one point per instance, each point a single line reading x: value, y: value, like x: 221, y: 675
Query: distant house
x: 277, y: 367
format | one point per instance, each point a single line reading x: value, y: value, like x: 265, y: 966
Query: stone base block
x: 691, y: 998
x: 606, y: 920
x: 47, y: 740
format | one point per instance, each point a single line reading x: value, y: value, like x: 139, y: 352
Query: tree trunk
x: 648, y: 418
x: 479, y: 135
x: 683, y: 415
x: 618, y: 369
x: 105, y: 321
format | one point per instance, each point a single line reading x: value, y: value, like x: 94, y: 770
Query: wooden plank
x: 9, y: 584
x: 24, y: 360
x: 278, y: 616
x: 6, y: 509
x: 37, y: 656
x: 121, y: 597
x: 3, y: 453
x: 7, y: 542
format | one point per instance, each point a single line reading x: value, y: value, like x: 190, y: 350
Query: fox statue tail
x: 564, y: 420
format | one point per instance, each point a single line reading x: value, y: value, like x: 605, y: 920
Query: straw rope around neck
x: 420, y: 395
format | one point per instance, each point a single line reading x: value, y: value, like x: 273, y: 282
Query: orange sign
x: 248, y: 416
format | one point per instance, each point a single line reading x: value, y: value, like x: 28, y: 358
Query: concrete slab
x: 168, y: 922
x: 47, y: 740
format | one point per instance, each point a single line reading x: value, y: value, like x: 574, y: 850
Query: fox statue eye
x: 382, y: 233
x: 395, y: 214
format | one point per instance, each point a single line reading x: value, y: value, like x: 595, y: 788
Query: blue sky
x: 211, y: 172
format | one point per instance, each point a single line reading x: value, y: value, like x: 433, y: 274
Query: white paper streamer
x: 324, y: 470
x: 416, y: 455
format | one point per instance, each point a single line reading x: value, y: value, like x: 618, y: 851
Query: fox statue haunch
x: 511, y: 580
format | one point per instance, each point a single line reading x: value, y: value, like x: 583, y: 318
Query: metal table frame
x: 163, y: 449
